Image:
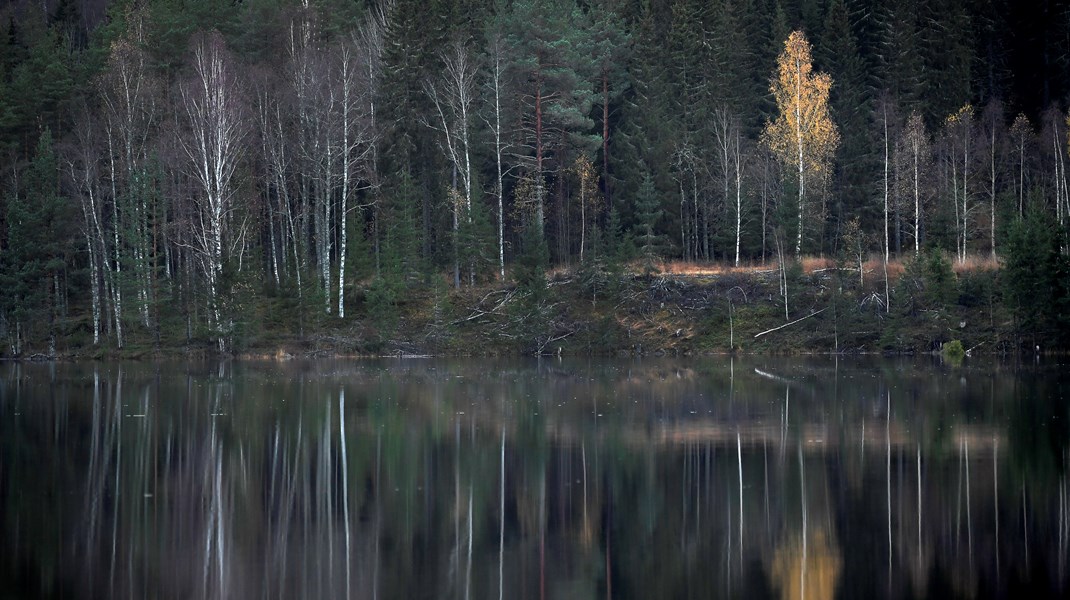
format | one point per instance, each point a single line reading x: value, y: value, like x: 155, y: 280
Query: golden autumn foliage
x: 804, y: 127
x: 803, y: 137
x: 963, y: 116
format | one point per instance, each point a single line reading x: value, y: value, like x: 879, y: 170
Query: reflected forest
x: 625, y: 479
x: 230, y: 177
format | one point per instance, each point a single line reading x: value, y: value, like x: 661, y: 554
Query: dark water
x: 748, y: 478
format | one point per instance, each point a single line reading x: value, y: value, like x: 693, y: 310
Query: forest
x: 197, y: 173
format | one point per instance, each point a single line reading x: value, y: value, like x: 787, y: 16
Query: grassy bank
x: 675, y: 309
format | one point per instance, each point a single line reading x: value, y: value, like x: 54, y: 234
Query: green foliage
x: 601, y: 273
x: 1036, y: 278
x: 953, y: 350
x: 38, y: 248
x: 637, y: 82
x: 477, y: 252
x: 938, y: 279
x: 530, y: 269
x: 399, y: 261
x: 647, y: 214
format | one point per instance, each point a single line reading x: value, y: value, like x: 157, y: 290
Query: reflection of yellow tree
x: 807, y: 570
x: 803, y: 136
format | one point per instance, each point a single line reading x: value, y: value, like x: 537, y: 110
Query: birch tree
x: 686, y: 165
x: 83, y: 171
x: 1055, y: 128
x: 1020, y: 134
x: 214, y: 147
x: 992, y: 143
x: 312, y: 111
x: 497, y: 64
x: 128, y: 94
x: 887, y: 118
x: 959, y: 128
x: 913, y: 162
x: 371, y: 38
x: 453, y: 95
x: 803, y: 137
x: 589, y: 201
x: 728, y: 131
x: 357, y: 142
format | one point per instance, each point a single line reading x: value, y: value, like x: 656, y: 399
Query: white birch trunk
x: 992, y: 190
x: 739, y: 196
x: 453, y: 95
x: 887, y: 293
x: 343, y: 211
x: 915, y: 146
x: 214, y: 149
x: 965, y: 192
x: 799, y: 142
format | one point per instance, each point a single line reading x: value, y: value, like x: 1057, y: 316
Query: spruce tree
x: 648, y: 212
x: 850, y: 106
x: 34, y: 263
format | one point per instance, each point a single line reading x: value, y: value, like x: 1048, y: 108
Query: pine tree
x: 552, y: 71
x: 610, y: 43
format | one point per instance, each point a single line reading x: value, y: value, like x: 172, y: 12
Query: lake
x: 718, y: 477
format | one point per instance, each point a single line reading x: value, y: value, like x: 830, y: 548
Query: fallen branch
x: 478, y: 312
x: 758, y: 335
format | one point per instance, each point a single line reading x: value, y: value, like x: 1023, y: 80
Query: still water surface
x: 714, y: 478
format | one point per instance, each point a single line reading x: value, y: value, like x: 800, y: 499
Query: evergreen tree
x: 849, y: 106
x: 1037, y: 279
x: 947, y: 53
x: 648, y: 212
x: 35, y: 260
x: 610, y: 43
x: 551, y: 70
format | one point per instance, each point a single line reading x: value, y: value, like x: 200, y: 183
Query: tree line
x: 171, y: 164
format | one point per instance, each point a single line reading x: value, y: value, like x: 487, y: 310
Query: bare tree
x: 214, y: 147
x: 453, y: 94
x: 371, y: 38
x: 686, y: 165
x: 128, y: 93
x: 729, y: 134
x: 357, y: 142
x: 496, y: 50
x: 959, y: 129
x: 1055, y: 127
x: 888, y: 120
x: 913, y: 162
x: 993, y: 130
x: 82, y: 165
x: 1021, y: 133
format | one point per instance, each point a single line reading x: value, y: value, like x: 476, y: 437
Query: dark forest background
x: 169, y: 168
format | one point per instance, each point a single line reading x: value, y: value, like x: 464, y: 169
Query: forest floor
x: 676, y: 309
x: 663, y: 309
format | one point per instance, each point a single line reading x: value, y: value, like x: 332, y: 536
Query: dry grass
x: 698, y: 269
x: 975, y: 262
x: 873, y: 265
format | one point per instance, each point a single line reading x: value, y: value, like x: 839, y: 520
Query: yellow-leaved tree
x: 803, y: 137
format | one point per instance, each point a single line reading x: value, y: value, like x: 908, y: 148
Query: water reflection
x: 429, y: 479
